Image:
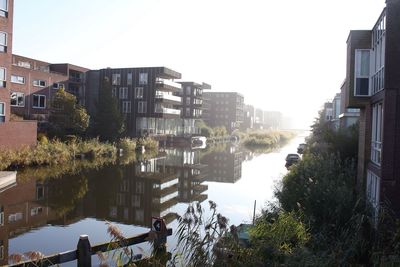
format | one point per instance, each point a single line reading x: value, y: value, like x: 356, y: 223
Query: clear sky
x: 286, y: 55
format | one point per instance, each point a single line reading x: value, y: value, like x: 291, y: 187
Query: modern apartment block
x: 226, y: 109
x: 192, y: 105
x: 147, y: 96
x: 13, y: 133
x: 373, y: 85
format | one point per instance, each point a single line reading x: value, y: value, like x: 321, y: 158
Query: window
x: 116, y: 79
x: 15, y: 217
x: 378, y: 54
x: 17, y: 79
x: 187, y: 111
x: 2, y: 77
x: 3, y: 8
x: 2, y: 112
x: 123, y: 92
x: 39, y: 192
x: 35, y: 211
x: 187, y: 101
x: 129, y: 79
x: 143, y: 78
x: 17, y: 99
x: 139, y: 92
x: 58, y: 86
x: 126, y: 107
x: 187, y: 90
x: 377, y: 123
x: 1, y: 215
x: 142, y: 107
x: 361, y: 72
x: 39, y: 83
x: 114, y: 92
x: 3, y: 42
x: 39, y: 101
x: 373, y: 191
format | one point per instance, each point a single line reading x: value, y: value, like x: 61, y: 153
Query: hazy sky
x: 286, y: 55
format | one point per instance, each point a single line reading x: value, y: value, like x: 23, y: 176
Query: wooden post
x: 84, y: 252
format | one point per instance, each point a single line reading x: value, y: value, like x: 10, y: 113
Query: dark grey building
x: 147, y: 96
x: 225, y: 109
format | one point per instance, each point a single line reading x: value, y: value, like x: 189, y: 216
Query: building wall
x: 6, y: 25
x: 16, y: 134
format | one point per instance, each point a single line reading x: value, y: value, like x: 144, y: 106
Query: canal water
x: 48, y: 214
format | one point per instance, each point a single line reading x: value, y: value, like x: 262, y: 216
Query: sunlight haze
x: 281, y: 55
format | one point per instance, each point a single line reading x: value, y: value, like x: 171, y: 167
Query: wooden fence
x: 83, y: 253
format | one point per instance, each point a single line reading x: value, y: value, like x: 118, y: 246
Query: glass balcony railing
x: 161, y: 81
x: 168, y: 97
x: 167, y: 110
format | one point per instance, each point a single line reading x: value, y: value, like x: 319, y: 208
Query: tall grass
x: 266, y: 139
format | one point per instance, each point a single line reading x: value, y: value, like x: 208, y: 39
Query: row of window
x: 17, y: 99
x: 21, y: 80
x: 116, y: 78
x: 123, y: 92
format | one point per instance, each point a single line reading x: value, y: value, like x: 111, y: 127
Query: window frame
x: 17, y: 77
x: 139, y: 92
x: 377, y: 133
x: 4, y: 12
x: 126, y: 107
x: 123, y: 93
x: 3, y: 82
x: 40, y: 96
x: 5, y: 45
x: 116, y: 79
x: 37, y: 83
x: 18, y: 95
x: 143, y: 81
x: 142, y: 107
x: 3, y: 114
x: 358, y: 60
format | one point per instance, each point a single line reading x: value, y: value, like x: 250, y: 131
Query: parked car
x: 300, y: 148
x: 291, y: 159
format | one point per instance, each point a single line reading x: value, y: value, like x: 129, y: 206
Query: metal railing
x: 162, y: 81
x: 167, y: 110
x: 168, y: 97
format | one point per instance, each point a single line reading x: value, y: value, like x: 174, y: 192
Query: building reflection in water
x: 129, y: 194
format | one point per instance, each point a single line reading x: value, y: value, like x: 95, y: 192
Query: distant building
x: 259, y: 119
x: 327, y: 112
x: 272, y: 120
x: 226, y: 109
x: 191, y: 105
x: 147, y: 96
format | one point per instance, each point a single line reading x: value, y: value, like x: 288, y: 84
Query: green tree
x: 108, y: 122
x: 67, y: 116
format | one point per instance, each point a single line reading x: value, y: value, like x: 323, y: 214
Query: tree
x: 108, y: 122
x: 66, y: 116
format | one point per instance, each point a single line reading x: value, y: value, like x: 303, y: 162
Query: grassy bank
x: 265, y: 139
x: 56, y: 152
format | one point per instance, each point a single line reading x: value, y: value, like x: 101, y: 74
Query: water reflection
x: 128, y: 192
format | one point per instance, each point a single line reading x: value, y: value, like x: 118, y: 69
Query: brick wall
x: 18, y: 133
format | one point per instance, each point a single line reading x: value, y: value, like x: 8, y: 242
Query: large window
x: 39, y: 83
x: 373, y: 191
x: 142, y: 107
x: 143, y: 78
x: 139, y: 92
x: 17, y: 99
x: 57, y: 86
x: 39, y: 101
x: 3, y: 42
x: 17, y: 79
x: 126, y: 106
x: 123, y: 92
x: 129, y: 79
x: 116, y: 79
x: 2, y: 112
x: 377, y: 128
x: 361, y: 72
x: 3, y: 8
x: 378, y: 54
x: 2, y: 77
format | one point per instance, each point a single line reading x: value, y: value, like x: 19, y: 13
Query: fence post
x: 84, y: 252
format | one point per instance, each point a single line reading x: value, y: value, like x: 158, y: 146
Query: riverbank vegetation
x: 320, y: 217
x: 56, y: 153
x: 264, y: 139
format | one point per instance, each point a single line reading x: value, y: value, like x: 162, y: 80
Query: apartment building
x: 272, y: 119
x: 13, y: 134
x: 373, y: 85
x: 226, y: 109
x: 148, y: 97
x: 191, y: 105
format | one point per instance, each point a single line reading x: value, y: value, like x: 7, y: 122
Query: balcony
x: 163, y: 96
x: 167, y: 111
x: 167, y: 85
